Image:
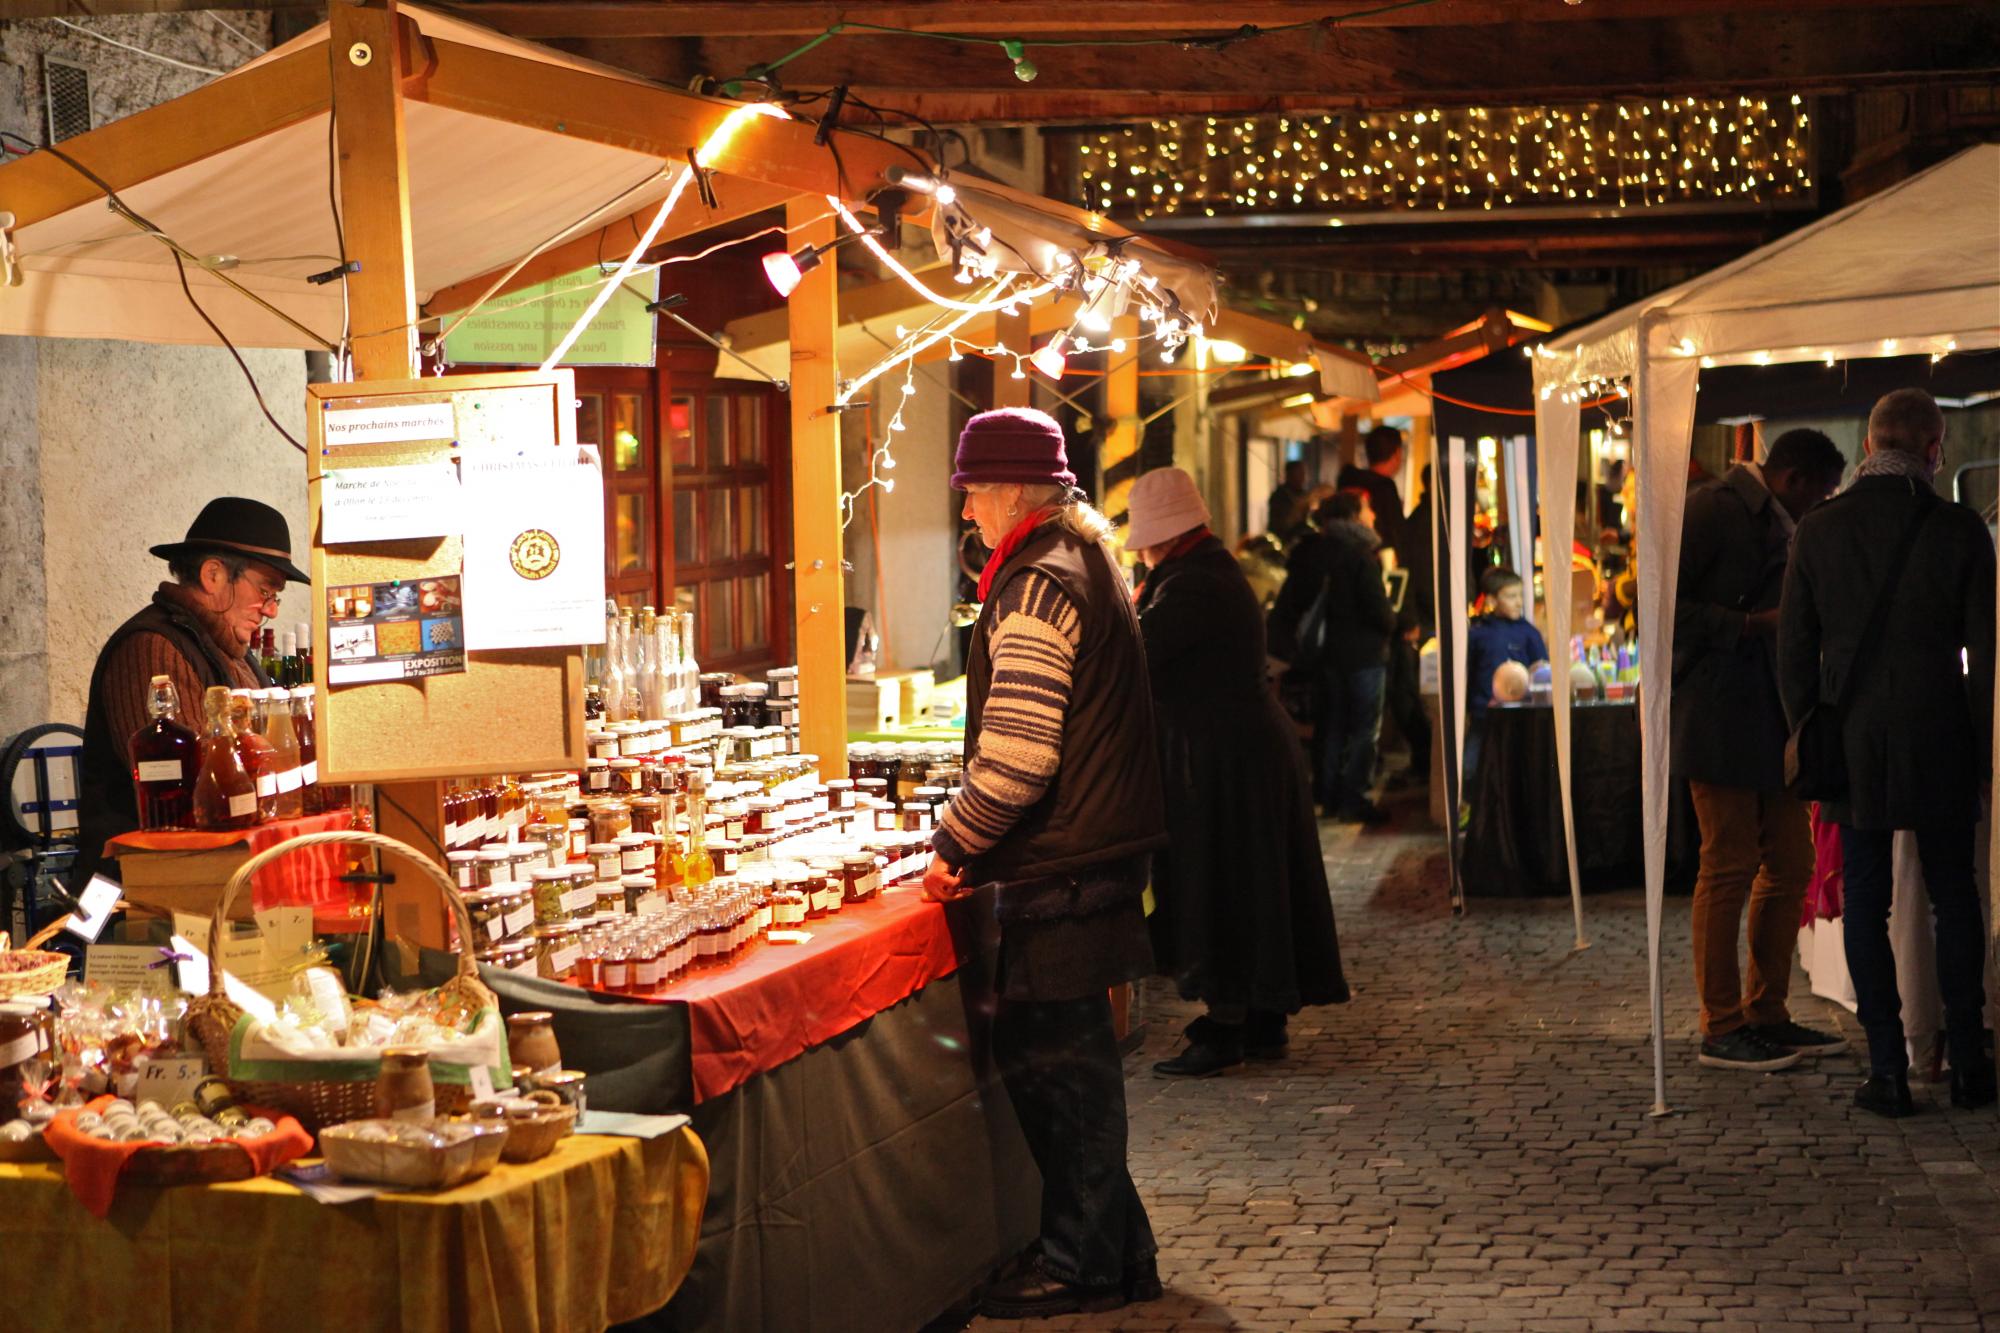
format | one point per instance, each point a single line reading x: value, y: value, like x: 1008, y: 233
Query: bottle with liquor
x: 670, y: 870
x: 645, y: 646
x: 593, y: 681
x: 225, y: 793
x: 699, y: 868
x: 305, y: 639
x: 690, y: 670
x: 290, y: 672
x: 672, y: 690
x: 254, y: 750
x: 614, y: 668
x: 166, y: 759
x: 302, y: 725
x: 632, y: 706
x: 267, y: 656
x: 275, y: 725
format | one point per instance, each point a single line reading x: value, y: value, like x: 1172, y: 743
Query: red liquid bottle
x: 225, y: 794
x: 256, y: 753
x: 166, y: 759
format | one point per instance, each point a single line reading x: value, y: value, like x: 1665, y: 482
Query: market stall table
x: 601, y: 1230
x: 1514, y: 844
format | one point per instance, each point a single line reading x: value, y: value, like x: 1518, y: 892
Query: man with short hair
x: 1728, y: 741
x: 1289, y: 506
x: 228, y: 574
x: 1912, y: 683
x: 1383, y: 448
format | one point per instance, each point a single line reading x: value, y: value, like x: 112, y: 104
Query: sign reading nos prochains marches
x: 522, y: 328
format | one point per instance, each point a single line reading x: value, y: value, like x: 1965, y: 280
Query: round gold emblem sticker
x: 535, y: 554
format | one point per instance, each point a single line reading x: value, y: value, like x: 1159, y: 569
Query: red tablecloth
x: 781, y: 999
x: 306, y: 878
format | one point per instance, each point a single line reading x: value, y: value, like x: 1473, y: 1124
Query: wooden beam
x: 212, y: 119
x: 738, y: 199
x: 801, y: 18
x: 368, y: 45
x: 28, y: 9
x: 1495, y: 64
x: 660, y: 121
x: 819, y: 589
x: 1123, y: 429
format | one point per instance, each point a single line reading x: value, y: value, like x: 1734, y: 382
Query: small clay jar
x: 403, y: 1089
x: 531, y: 1040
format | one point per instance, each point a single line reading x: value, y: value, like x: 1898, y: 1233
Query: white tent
x: 1913, y: 269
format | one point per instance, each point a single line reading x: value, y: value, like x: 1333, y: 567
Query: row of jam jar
x: 613, y: 740
x: 906, y: 765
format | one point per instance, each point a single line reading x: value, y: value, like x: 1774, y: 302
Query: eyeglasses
x: 268, y: 598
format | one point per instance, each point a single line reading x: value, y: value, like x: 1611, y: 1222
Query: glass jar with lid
x: 635, y: 890
x: 596, y: 777
x: 551, y: 893
x: 859, y: 876
x: 788, y: 903
x: 609, y: 820
x: 887, y: 818
x: 625, y: 776
x: 496, y: 865
x: 840, y: 795
x: 916, y: 816
x: 827, y: 886
x: 464, y: 867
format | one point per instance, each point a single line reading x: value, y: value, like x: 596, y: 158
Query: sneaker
x: 1790, y: 1036
x: 1744, y: 1049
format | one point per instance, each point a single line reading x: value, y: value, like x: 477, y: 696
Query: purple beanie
x: 1012, y: 445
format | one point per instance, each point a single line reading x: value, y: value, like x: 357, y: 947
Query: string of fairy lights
x: 1627, y: 154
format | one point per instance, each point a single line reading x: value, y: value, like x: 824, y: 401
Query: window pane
x: 687, y: 597
x: 756, y: 610
x: 632, y: 541
x: 685, y: 545
x: 720, y: 542
x: 718, y: 430
x: 628, y: 426
x: 749, y: 428
x: 680, y: 431
x: 751, y: 538
x: 719, y: 606
x: 590, y: 419
x: 635, y: 599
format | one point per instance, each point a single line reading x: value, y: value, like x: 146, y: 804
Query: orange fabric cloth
x: 306, y: 878
x: 92, y: 1166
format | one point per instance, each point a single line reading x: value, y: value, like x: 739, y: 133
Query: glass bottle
x: 274, y: 717
x: 665, y: 666
x: 614, y: 666
x: 699, y: 868
x: 305, y: 653
x: 225, y: 792
x: 593, y: 681
x: 631, y: 702
x: 289, y: 670
x: 671, y: 867
x: 302, y: 725
x: 166, y: 759
x: 690, y: 672
x: 645, y: 653
x: 254, y: 750
x: 267, y: 653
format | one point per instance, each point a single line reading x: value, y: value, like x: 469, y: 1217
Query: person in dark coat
x: 1242, y: 919
x: 1383, y: 448
x: 1728, y: 742
x: 1059, y: 813
x: 1289, y: 506
x: 1915, y: 701
x: 1333, y: 617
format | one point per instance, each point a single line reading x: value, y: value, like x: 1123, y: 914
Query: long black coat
x: 1728, y: 725
x: 1242, y: 913
x: 1918, y: 725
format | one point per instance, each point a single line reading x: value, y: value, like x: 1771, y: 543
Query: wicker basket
x: 534, y: 1138
x: 212, y: 1018
x: 42, y: 979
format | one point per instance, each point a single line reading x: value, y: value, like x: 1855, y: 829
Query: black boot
x: 1886, y: 1096
x: 1212, y: 1048
x: 1264, y: 1035
x: 1973, y: 1086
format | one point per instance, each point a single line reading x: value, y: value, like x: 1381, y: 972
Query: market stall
x: 1913, y: 268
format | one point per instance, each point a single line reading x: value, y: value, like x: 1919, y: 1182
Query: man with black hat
x: 228, y: 574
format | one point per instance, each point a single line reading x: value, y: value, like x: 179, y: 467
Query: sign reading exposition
x: 522, y: 328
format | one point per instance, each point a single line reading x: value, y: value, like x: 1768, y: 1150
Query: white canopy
x: 1915, y: 268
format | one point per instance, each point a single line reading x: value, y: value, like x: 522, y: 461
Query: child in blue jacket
x: 1500, y: 635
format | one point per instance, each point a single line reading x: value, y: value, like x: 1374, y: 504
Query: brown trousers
x: 1756, y: 847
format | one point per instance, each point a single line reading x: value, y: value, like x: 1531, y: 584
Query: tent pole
x: 819, y: 586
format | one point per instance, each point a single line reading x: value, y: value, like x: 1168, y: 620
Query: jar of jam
x: 596, y: 777
x: 827, y: 886
x: 647, y: 813
x: 887, y: 820
x: 871, y: 788
x: 840, y: 795
x: 934, y: 797
x: 860, y: 880
x: 784, y: 682
x: 916, y: 816
x: 635, y: 852
x: 603, y: 744
x: 724, y: 857
x: 625, y: 779
x: 762, y: 816
x: 609, y: 819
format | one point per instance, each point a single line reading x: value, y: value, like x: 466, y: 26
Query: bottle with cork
x: 166, y: 760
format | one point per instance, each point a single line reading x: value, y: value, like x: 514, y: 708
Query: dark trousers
x: 1869, y: 865
x: 1351, y: 723
x: 1405, y: 703
x: 1060, y: 1062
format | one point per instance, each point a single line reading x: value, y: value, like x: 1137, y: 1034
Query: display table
x: 1514, y: 846
x: 184, y: 870
x: 601, y: 1230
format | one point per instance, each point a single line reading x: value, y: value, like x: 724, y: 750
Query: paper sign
x: 171, y: 1079
x: 481, y: 1079
x: 378, y: 504
x: 127, y: 967
x: 628, y: 1124
x: 399, y: 630
x: 387, y: 425
x: 317, y: 1181
x: 97, y: 899
x: 264, y: 961
x: 534, y: 550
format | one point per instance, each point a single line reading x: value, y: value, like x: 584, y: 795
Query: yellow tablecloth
x: 601, y: 1230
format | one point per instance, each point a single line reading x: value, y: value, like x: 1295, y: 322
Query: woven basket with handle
x: 212, y: 1018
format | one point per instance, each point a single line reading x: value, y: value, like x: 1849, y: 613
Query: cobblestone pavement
x: 1467, y: 1145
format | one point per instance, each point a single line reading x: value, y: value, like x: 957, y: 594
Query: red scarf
x: 1009, y: 544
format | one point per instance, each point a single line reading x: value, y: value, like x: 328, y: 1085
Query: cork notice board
x: 515, y: 711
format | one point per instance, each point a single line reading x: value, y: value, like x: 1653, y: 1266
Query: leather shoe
x: 1885, y: 1096
x: 1212, y: 1047
x: 1973, y: 1088
x: 1033, y: 1294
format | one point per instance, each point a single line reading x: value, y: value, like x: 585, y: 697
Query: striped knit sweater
x: 127, y: 681
x: 1035, y: 632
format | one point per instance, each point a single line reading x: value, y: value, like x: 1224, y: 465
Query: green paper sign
x: 522, y: 328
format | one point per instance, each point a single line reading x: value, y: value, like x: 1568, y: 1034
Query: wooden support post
x: 1013, y: 333
x: 819, y: 591
x: 1119, y: 459
x: 368, y: 64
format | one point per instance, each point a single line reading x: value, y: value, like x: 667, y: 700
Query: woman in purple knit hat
x: 1060, y: 812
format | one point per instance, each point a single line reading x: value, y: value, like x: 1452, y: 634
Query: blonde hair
x: 1072, y: 510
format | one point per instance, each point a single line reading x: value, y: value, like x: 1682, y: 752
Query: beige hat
x: 1164, y: 505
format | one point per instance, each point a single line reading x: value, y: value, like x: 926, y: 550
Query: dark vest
x: 1104, y: 804
x: 107, y: 803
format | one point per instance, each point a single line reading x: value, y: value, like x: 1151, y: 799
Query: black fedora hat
x: 234, y: 524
